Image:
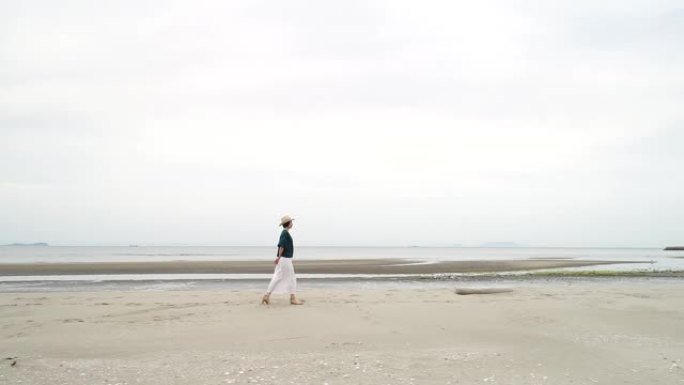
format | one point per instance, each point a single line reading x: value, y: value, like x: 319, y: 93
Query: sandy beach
x: 585, y: 332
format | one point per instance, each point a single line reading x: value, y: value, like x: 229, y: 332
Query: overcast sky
x: 546, y: 123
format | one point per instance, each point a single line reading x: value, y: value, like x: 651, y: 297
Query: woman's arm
x: 281, y: 251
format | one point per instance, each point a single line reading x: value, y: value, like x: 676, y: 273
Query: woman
x: 284, y: 280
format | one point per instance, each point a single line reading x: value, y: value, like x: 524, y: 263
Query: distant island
x: 500, y: 244
x: 673, y: 248
x: 28, y: 244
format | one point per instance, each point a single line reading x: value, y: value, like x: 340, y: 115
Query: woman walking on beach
x: 284, y: 280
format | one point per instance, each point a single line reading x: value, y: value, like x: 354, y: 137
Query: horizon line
x: 492, y: 245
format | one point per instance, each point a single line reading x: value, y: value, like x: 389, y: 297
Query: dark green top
x: 286, y: 243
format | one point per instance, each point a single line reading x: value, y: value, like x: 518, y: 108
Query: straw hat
x: 285, y: 219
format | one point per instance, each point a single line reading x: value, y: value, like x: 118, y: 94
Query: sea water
x: 57, y: 254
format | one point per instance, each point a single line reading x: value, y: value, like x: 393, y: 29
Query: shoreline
x: 347, y: 266
x: 143, y: 283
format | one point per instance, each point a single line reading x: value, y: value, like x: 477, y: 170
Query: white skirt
x: 284, y: 280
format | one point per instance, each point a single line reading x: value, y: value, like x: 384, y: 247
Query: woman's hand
x: 276, y: 260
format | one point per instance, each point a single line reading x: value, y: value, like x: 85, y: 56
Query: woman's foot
x: 295, y: 301
x: 266, y: 300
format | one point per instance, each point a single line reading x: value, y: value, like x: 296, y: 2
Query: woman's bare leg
x: 295, y: 301
x: 266, y: 299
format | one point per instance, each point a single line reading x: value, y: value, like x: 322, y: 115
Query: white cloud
x: 168, y: 122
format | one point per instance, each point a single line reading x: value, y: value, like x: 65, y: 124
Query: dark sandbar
x: 482, y: 291
x: 347, y: 266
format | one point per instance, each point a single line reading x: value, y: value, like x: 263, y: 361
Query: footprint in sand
x: 70, y: 320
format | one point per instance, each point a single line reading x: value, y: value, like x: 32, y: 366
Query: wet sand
x: 564, y: 333
x: 348, y: 266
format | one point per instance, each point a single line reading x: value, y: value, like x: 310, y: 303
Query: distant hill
x: 501, y: 244
x: 672, y: 248
x: 28, y: 244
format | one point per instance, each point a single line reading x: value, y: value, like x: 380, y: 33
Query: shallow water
x: 307, y: 284
x: 658, y: 260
